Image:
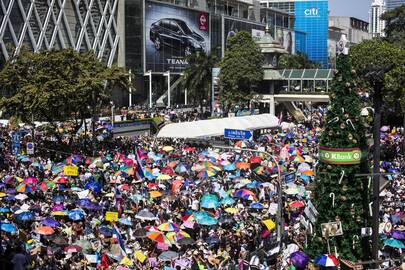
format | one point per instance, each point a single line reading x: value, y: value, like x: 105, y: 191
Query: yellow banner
x: 71, y: 170
x: 111, y: 216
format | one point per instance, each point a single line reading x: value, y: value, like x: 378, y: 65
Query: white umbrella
x: 21, y: 197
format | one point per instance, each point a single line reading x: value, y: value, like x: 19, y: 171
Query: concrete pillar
x: 272, y: 108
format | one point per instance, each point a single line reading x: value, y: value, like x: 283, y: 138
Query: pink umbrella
x: 31, y: 180
x: 57, y: 207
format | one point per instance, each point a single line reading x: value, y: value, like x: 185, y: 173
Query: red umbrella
x: 255, y: 159
x: 297, y: 204
x: 31, y: 180
x: 73, y: 248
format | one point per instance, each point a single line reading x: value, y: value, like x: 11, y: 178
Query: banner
x: 171, y: 34
x: 71, y: 170
x: 111, y: 216
x: 341, y: 156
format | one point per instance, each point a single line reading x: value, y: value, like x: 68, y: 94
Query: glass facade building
x: 391, y: 4
x: 311, y: 17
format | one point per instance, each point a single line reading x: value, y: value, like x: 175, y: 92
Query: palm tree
x: 198, y: 76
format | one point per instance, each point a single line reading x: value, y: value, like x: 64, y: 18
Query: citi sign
x: 311, y: 12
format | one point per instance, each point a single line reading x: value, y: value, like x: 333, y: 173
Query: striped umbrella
x: 327, y: 260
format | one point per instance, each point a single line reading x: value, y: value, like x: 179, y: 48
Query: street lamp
x: 149, y: 73
x: 185, y: 92
x: 167, y: 73
x: 130, y: 88
x: 112, y: 113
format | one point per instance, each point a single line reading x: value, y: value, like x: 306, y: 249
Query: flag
x: 280, y: 118
x: 118, y: 200
x: 118, y: 237
x: 139, y: 168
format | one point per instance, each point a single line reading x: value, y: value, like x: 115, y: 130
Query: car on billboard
x: 177, y: 34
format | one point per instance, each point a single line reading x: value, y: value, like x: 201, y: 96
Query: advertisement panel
x: 285, y: 37
x: 233, y: 26
x: 171, y: 34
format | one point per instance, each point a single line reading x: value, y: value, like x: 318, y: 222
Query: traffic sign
x: 30, y: 148
x: 237, y: 134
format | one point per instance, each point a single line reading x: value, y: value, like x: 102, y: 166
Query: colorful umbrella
x: 59, y: 213
x: 24, y: 188
x: 45, y: 185
x: 31, y: 180
x: 169, y: 227
x: 155, y: 194
x: 242, y: 165
x: 327, y: 261
x: 394, y: 243
x: 206, y: 174
x: 245, y: 194
x: 158, y: 237
x: 50, y: 222
x: 45, y: 230
x: 255, y: 159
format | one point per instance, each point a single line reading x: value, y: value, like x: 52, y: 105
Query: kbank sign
x: 312, y: 12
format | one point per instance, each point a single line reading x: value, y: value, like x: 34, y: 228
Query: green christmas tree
x: 341, y: 194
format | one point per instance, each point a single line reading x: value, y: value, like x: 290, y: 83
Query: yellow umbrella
x: 163, y: 177
x: 2, y: 194
x: 140, y: 256
x: 155, y: 194
x: 110, y: 195
x: 269, y: 224
x: 168, y: 148
x: 231, y: 210
x: 126, y: 261
x: 58, y: 213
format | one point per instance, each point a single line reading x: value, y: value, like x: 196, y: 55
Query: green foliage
x: 197, y: 78
x: 380, y: 53
x: 297, y: 61
x: 395, y: 26
x: 57, y: 85
x: 351, y: 195
x: 241, y: 70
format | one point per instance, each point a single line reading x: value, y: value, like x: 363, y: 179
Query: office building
x: 391, y: 4
x: 81, y: 25
x: 377, y: 25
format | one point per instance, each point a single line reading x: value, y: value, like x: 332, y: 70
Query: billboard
x: 171, y: 34
x: 285, y: 37
x: 232, y: 27
x: 311, y: 17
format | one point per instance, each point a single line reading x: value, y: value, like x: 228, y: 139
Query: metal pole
x: 168, y: 89
x: 185, y: 96
x: 112, y: 114
x: 130, y: 88
x: 150, y: 89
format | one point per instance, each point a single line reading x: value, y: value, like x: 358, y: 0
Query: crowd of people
x: 147, y: 203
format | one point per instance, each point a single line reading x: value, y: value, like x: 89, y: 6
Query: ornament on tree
x: 356, y: 239
x: 334, y: 120
x: 342, y: 174
x: 330, y: 133
x: 348, y: 121
x: 342, y: 126
x: 345, y: 188
x: 343, y: 198
x: 346, y: 115
x: 354, y: 141
x: 332, y: 195
x: 350, y: 136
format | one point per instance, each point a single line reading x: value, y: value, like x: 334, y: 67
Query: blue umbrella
x: 125, y: 221
x: 106, y: 231
x: 9, y: 198
x: 58, y: 198
x: 394, y: 243
x: 95, y: 186
x: 84, y: 202
x: 227, y: 201
x: 7, y: 227
x: 76, y: 214
x: 50, y: 222
x: 256, y: 205
x: 209, y: 201
x: 4, y: 210
x: 94, y: 206
x: 230, y: 167
x: 203, y: 218
x: 25, y: 216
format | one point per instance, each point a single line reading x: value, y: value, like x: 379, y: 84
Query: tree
x: 297, y: 61
x: 241, y: 70
x: 377, y: 53
x: 198, y: 76
x: 395, y: 26
x: 340, y: 194
x: 57, y: 86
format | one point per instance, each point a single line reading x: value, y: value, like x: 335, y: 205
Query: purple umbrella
x: 299, y: 259
x: 93, y: 206
x: 50, y: 222
x: 400, y: 235
x: 9, y: 198
x: 11, y: 190
x: 84, y: 202
x: 57, y: 207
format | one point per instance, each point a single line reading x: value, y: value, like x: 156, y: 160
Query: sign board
x: 331, y: 229
x: 15, y: 143
x: 237, y: 134
x: 309, y: 215
x: 312, y: 208
x: 71, y: 170
x: 366, y: 231
x: 342, y: 156
x: 30, y: 148
x: 111, y: 216
x: 289, y: 178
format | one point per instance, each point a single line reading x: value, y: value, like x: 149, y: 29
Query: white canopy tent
x: 215, y: 127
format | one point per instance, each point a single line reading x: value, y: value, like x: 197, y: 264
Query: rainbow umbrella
x: 245, y: 194
x: 169, y: 227
x: 158, y: 237
x: 327, y: 261
x: 260, y: 170
x: 24, y: 188
x: 206, y: 174
x: 45, y: 185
